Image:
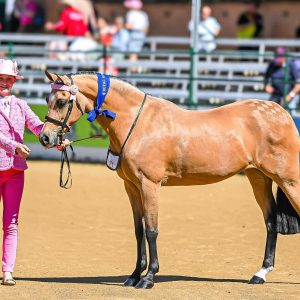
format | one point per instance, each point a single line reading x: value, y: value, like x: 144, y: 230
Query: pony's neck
x: 123, y: 99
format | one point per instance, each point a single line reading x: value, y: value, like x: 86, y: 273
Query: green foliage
x: 83, y: 129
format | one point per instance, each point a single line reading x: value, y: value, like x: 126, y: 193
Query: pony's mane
x: 120, y: 88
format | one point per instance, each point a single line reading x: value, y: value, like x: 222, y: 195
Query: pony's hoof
x: 145, y: 284
x: 131, y: 281
x: 256, y: 280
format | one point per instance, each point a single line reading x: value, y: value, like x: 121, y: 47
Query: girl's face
x: 6, y: 84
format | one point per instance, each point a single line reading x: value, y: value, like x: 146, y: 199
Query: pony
x: 155, y: 143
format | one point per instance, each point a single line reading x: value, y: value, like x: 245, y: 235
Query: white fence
x: 164, y: 66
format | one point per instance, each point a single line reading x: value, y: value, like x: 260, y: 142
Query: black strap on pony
x: 65, y: 159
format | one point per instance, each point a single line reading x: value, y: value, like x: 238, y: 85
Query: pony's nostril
x: 44, y: 139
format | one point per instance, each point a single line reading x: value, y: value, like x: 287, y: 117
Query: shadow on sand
x: 118, y: 280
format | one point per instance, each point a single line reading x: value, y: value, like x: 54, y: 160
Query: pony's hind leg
x: 262, y: 188
x: 291, y: 189
x: 150, y: 196
x: 137, y: 210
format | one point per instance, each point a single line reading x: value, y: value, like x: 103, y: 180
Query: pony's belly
x: 194, y: 179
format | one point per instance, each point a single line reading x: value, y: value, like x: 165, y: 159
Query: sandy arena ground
x: 79, y: 243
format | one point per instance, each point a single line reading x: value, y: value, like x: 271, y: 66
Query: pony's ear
x: 60, y: 79
x: 52, y: 77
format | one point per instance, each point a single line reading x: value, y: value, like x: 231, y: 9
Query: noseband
x: 73, y: 90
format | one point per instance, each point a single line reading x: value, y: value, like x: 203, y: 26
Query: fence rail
x: 224, y: 75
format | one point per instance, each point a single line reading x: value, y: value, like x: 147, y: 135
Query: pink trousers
x: 11, y: 190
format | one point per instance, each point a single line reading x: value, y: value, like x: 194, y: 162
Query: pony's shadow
x: 119, y: 280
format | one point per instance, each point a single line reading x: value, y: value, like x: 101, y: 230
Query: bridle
x: 73, y: 90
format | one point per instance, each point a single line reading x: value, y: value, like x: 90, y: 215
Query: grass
x: 81, y: 129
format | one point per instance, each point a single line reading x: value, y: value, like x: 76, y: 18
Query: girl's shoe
x: 9, y: 282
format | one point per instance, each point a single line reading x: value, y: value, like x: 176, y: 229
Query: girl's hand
x: 65, y: 143
x: 22, y: 150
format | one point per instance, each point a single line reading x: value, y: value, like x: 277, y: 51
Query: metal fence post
x: 286, y: 80
x: 193, y: 85
x: 11, y: 50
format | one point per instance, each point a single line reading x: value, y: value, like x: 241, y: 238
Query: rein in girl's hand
x: 65, y: 143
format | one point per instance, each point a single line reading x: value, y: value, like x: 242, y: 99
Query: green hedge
x: 83, y: 128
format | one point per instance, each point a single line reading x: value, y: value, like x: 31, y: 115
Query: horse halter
x: 73, y: 90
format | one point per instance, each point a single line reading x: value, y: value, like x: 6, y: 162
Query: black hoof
x: 131, y: 281
x: 145, y: 284
x: 256, y: 280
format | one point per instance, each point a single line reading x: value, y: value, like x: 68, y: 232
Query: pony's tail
x: 287, y: 219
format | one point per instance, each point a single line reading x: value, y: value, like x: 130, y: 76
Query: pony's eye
x: 61, y: 103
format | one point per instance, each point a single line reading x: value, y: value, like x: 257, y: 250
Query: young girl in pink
x: 15, y: 115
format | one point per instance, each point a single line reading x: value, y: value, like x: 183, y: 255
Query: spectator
x: 87, y: 9
x: 2, y: 15
x: 275, y: 79
x: 208, y: 30
x: 137, y: 23
x: 71, y: 21
x: 12, y: 16
x: 250, y: 22
x: 120, y: 41
x: 121, y: 37
x: 106, y: 32
x: 25, y: 12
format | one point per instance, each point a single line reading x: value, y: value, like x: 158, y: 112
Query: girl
x: 15, y: 114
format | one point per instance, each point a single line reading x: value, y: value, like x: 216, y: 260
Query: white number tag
x: 112, y: 160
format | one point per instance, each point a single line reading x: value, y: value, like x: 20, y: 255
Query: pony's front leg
x: 150, y: 195
x: 137, y: 210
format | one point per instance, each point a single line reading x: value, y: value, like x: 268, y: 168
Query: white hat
x: 133, y: 4
x: 9, y: 67
x: 68, y: 2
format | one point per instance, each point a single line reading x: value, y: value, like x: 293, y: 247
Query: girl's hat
x: 9, y: 67
x: 133, y: 4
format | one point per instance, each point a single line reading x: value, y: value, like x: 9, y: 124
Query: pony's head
x: 66, y: 104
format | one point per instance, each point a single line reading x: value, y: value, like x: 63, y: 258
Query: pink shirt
x: 5, y: 104
x: 12, y: 131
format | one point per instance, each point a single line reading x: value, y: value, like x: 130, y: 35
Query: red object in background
x: 106, y: 39
x: 71, y: 22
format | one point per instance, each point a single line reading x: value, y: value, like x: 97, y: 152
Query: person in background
x: 121, y: 37
x: 208, y: 29
x: 250, y: 22
x: 12, y: 16
x: 137, y: 23
x: 25, y: 11
x: 71, y: 21
x: 2, y: 15
x: 15, y: 115
x: 87, y: 9
x: 275, y: 76
x: 106, y: 32
x: 119, y: 43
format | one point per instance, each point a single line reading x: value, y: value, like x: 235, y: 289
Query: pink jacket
x: 12, y: 132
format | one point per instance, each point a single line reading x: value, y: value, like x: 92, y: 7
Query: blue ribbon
x: 103, y: 87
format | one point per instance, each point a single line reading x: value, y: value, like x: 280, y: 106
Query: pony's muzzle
x: 44, y: 139
x: 48, y: 141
